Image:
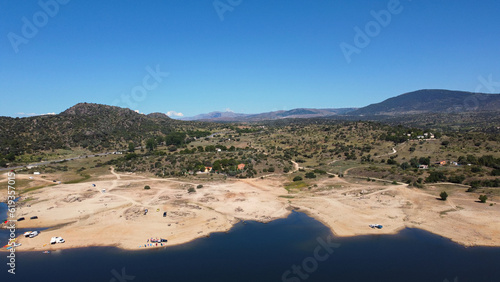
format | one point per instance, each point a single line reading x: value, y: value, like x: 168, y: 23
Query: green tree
x: 191, y: 190
x: 131, y: 147
x: 151, y: 144
x: 217, y: 165
x: 175, y: 138
x: 405, y: 166
x: 443, y: 195
x: 297, y: 178
x: 424, y: 160
x: 483, y: 198
x: 147, y: 187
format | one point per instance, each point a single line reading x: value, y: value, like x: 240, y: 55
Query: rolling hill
x: 84, y: 125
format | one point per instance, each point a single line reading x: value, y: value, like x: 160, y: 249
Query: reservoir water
x: 297, y: 248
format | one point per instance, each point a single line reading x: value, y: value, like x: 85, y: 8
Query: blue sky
x: 248, y: 56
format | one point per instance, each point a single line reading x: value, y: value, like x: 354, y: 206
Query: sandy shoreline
x: 86, y: 216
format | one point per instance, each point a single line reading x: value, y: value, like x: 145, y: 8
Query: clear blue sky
x: 259, y: 56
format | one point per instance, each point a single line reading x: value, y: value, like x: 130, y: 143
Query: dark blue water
x: 254, y: 251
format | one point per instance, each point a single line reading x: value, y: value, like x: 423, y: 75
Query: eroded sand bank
x: 87, y: 216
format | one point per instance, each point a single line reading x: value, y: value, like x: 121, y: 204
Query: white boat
x: 27, y: 234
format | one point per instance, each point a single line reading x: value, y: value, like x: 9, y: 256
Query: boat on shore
x: 378, y: 226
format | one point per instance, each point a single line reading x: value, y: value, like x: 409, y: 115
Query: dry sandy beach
x: 84, y: 215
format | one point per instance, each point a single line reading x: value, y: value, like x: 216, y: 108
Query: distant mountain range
x: 417, y: 102
x: 295, y: 113
x: 433, y: 101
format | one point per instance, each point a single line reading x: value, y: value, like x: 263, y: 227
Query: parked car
x: 55, y: 240
x: 165, y: 214
x: 34, y: 217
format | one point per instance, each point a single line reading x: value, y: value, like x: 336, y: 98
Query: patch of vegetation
x: 310, y: 175
x: 295, y: 185
x: 85, y: 177
x: 31, y: 189
x: 483, y: 198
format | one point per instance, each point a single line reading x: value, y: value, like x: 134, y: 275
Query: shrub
x: 392, y: 162
x: 435, y: 176
x: 147, y: 187
x: 199, y: 186
x: 131, y: 156
x: 310, y: 175
x: 471, y: 189
x: 475, y: 169
x: 405, y: 165
x: 456, y: 179
x: 297, y: 178
x: 443, y: 195
x: 483, y: 198
x: 191, y: 190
